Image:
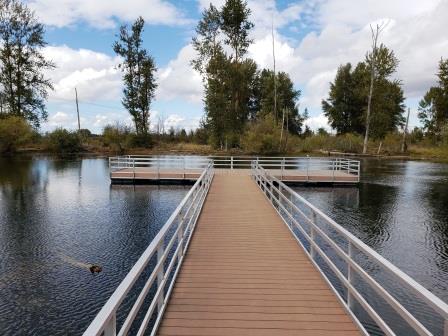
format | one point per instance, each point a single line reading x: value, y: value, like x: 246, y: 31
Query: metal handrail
x: 182, y: 222
x: 308, y: 164
x: 290, y: 205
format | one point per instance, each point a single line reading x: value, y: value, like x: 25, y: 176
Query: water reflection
x: 57, y: 215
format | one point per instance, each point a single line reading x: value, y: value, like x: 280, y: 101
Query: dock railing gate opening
x: 360, y: 277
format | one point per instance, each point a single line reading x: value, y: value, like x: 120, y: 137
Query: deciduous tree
x: 23, y: 85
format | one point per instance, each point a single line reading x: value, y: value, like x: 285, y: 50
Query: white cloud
x: 179, y: 80
x: 94, y: 74
x: 103, y: 14
x: 317, y: 122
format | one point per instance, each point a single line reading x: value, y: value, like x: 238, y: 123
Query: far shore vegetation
x: 247, y: 110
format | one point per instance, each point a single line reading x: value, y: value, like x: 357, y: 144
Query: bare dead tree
x: 375, y: 35
x: 405, y: 131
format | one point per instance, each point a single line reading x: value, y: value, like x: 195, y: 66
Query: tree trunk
x: 375, y: 34
x: 403, y: 144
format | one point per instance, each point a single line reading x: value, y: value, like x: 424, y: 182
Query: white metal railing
x: 325, y: 241
x: 168, y: 247
x: 307, y: 165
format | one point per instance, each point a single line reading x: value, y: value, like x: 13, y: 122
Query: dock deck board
x: 244, y: 274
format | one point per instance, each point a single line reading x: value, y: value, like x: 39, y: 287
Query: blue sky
x: 312, y: 39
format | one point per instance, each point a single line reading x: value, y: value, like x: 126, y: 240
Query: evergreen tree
x: 287, y: 98
x: 139, y: 74
x: 433, y: 108
x: 23, y: 86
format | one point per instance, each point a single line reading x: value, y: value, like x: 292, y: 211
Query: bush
x: 63, y: 141
x: 117, y: 137
x: 262, y: 137
x: 14, y: 131
x: 139, y: 140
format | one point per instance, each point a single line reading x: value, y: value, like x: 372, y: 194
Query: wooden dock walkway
x: 244, y: 273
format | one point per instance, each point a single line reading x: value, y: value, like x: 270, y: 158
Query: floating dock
x: 132, y: 169
x: 244, y: 254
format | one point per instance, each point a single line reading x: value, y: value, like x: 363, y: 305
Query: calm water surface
x: 400, y: 209
x: 56, y: 216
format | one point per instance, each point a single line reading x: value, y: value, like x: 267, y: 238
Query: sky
x: 312, y: 38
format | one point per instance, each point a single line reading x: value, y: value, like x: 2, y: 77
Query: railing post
x: 180, y: 235
x: 313, y: 236
x: 308, y: 169
x: 160, y: 250
x: 350, y: 277
x: 283, y: 167
x: 133, y: 167
x: 183, y: 161
x: 111, y: 326
x: 445, y: 328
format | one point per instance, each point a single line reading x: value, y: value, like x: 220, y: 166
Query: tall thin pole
x: 77, y: 109
x: 275, y: 73
x: 403, y: 144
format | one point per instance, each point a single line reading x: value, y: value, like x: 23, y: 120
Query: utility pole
x: 403, y: 144
x: 77, y: 109
x: 275, y: 73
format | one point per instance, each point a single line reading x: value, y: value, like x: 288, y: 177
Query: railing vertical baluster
x: 445, y: 328
x: 350, y: 277
x: 160, y: 274
x: 111, y: 326
x: 231, y: 163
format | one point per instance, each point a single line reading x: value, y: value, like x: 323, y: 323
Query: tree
x: 372, y: 55
x: 228, y: 79
x: 236, y: 26
x: 344, y: 107
x: 138, y: 74
x: 348, y: 103
x: 287, y: 98
x: 433, y: 108
x: 23, y: 86
x: 14, y: 131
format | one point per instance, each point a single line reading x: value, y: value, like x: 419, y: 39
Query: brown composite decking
x: 244, y: 274
x: 194, y: 174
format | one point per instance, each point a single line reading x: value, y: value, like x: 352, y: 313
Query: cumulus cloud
x: 179, y: 80
x: 103, y: 14
x: 94, y: 74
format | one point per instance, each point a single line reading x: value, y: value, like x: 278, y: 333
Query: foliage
x: 228, y: 79
x: 347, y: 103
x: 14, y: 131
x: 262, y: 137
x: 116, y: 137
x: 138, y: 74
x: 23, y: 86
x: 287, y: 99
x: 433, y: 108
x: 63, y: 141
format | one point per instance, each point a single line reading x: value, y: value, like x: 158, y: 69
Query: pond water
x: 400, y: 209
x: 58, y: 215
